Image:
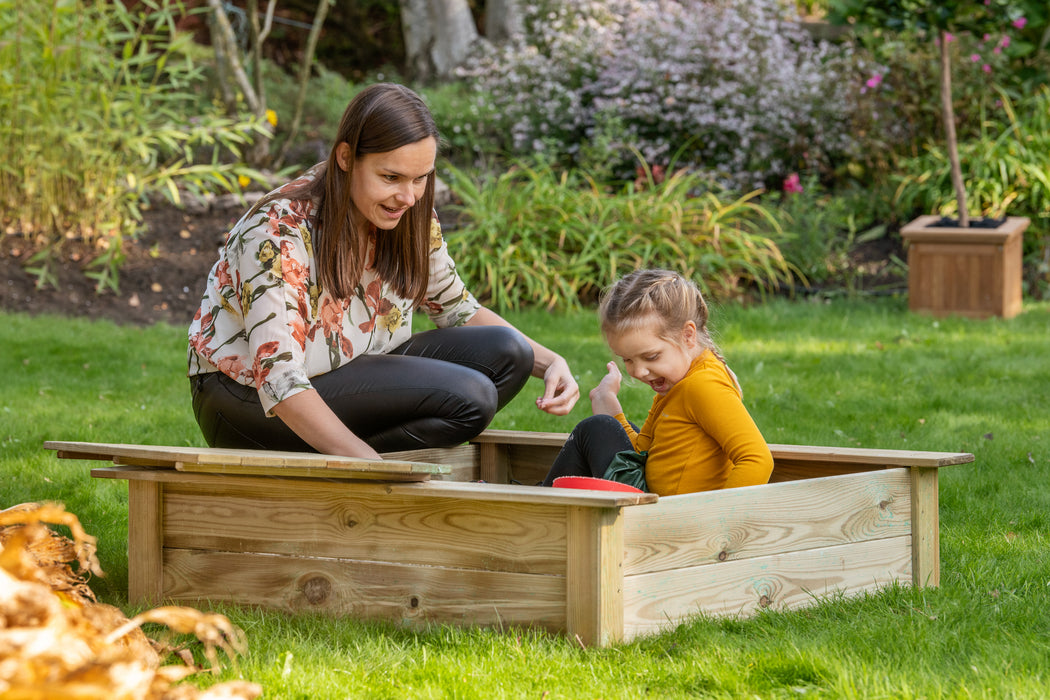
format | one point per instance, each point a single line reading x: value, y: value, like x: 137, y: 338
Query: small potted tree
x: 970, y: 266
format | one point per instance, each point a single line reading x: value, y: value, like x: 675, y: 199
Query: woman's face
x: 384, y: 185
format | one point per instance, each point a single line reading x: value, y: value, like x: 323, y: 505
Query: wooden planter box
x: 422, y: 541
x: 965, y: 271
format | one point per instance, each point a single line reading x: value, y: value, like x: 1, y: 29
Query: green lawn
x: 846, y: 373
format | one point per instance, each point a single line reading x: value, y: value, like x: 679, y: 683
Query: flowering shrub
x: 730, y: 88
x: 942, y: 21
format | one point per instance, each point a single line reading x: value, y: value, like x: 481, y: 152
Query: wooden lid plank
x: 260, y: 462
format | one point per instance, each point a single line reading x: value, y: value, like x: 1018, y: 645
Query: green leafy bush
x: 534, y: 236
x: 1008, y: 165
x: 104, y: 109
x: 819, y: 230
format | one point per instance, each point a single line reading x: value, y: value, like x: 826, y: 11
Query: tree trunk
x: 228, y: 60
x: 225, y: 39
x: 438, y: 36
x: 256, y: 37
x: 304, y: 78
x: 502, y: 20
x: 948, y: 113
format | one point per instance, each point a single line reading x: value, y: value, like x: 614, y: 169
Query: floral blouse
x: 265, y: 322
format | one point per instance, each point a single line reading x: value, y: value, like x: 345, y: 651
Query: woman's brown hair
x: 381, y: 118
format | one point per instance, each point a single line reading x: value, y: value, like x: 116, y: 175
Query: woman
x: 307, y: 315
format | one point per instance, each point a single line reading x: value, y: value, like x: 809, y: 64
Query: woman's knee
x: 514, y: 347
x: 516, y: 361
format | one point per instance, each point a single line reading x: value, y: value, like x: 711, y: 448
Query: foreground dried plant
x: 57, y: 641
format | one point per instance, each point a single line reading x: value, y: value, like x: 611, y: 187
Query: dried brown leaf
x: 214, y: 631
x: 55, y: 513
x: 57, y: 642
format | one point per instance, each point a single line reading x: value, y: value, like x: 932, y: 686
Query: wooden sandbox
x: 453, y: 536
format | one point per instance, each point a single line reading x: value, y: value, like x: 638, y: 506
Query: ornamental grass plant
x: 537, y: 235
x: 841, y: 373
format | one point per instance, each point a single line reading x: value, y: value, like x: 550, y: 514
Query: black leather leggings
x: 590, y: 448
x: 439, y: 388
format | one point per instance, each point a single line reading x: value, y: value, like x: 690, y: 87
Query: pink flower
x: 792, y: 184
x: 986, y: 68
x: 975, y: 57
x: 874, y: 81
x: 948, y: 37
x: 1019, y: 22
x: 1004, y: 42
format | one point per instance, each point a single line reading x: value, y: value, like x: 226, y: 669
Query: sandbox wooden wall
x: 598, y: 566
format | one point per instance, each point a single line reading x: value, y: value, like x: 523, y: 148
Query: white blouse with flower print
x: 264, y: 322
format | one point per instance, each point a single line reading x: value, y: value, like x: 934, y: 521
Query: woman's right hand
x: 309, y: 416
x: 603, y: 396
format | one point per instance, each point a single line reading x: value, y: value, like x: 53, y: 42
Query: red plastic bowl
x: 589, y: 482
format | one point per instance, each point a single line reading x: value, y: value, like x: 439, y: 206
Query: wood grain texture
x: 975, y: 272
x: 463, y: 461
x: 594, y: 585
x: 599, y: 566
x: 926, y: 530
x: 522, y: 437
x: 718, y: 526
x: 412, y: 595
x: 219, y: 460
x: 494, y: 463
x: 435, y: 489
x: 145, y: 542
x: 658, y: 601
x: 797, y: 470
x: 878, y: 458
x: 466, y: 534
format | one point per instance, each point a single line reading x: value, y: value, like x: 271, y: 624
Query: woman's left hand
x: 560, y: 389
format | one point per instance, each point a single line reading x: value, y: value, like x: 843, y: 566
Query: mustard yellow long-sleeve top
x: 700, y: 436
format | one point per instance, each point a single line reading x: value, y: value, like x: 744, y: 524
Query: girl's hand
x: 603, y: 396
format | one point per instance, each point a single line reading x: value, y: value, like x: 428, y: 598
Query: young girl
x: 698, y: 435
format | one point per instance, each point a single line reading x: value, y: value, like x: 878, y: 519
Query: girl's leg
x: 591, y: 446
x: 436, y: 390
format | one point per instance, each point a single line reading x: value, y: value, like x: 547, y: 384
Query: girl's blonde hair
x: 661, y: 295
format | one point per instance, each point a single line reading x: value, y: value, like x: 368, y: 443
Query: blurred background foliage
x: 594, y: 141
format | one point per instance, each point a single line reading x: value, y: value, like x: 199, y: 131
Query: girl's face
x: 383, y: 186
x: 656, y: 361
